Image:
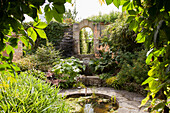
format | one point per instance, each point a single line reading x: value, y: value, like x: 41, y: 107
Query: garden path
x: 129, y: 102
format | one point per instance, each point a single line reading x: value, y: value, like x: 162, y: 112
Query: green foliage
x: 119, y: 37
x: 54, y: 32
x: 42, y: 60
x: 25, y: 93
x: 37, y: 74
x: 133, y: 72
x: 151, y: 20
x: 46, y: 56
x: 104, y: 76
x: 106, y: 18
x: 67, y: 70
x: 12, y: 17
x: 106, y: 63
x: 26, y: 63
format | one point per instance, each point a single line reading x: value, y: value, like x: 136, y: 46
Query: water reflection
x: 88, y: 108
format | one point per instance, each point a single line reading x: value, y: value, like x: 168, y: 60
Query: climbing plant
x: 12, y: 16
x: 151, y: 20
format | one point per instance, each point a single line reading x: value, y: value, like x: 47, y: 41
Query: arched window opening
x: 86, y: 41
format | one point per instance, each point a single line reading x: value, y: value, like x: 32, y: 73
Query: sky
x: 85, y: 9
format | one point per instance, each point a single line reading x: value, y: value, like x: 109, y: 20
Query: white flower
x: 76, y: 70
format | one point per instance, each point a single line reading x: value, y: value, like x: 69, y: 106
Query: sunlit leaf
x: 151, y: 72
x: 69, y: 1
x: 41, y: 33
x: 32, y: 33
x: 144, y: 101
x: 116, y: 3
x: 9, y: 49
x: 41, y: 25
x: 148, y: 80
x: 140, y: 38
x: 148, y: 59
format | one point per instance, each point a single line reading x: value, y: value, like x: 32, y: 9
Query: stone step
x: 91, y: 80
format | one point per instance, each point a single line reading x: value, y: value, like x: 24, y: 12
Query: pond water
x: 92, y: 104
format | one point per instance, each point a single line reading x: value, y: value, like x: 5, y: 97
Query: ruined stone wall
x: 97, y: 32
x: 18, y: 52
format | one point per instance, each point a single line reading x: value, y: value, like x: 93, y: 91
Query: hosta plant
x: 68, y: 70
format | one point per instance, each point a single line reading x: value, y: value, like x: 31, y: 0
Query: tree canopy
x: 11, y: 22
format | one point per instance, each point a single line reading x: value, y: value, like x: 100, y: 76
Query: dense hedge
x: 106, y: 18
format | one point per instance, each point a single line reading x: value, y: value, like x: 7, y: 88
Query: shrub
x: 135, y: 72
x: 25, y: 93
x: 106, y: 63
x: 46, y: 56
x: 67, y: 70
x: 118, y: 36
x: 26, y: 63
x: 106, y: 18
x: 37, y: 73
x: 42, y: 60
x: 131, y: 75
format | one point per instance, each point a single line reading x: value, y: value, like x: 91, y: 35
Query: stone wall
x: 67, y: 43
x: 97, y: 29
x: 18, y: 52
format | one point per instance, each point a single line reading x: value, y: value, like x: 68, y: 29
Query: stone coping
x: 129, y: 102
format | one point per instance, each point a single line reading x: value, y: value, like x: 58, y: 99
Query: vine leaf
x: 32, y: 33
x: 13, y: 42
x: 48, y: 13
x: 144, y: 101
x: 132, y: 12
x: 140, y: 38
x: 133, y: 25
x: 130, y: 18
x: 9, y: 49
x: 49, y: 16
x: 109, y: 2
x: 41, y: 33
x: 41, y: 25
x: 59, y: 8
x: 149, y: 79
x: 116, y: 3
x: 58, y: 17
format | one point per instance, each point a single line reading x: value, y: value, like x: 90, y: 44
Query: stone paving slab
x: 129, y: 102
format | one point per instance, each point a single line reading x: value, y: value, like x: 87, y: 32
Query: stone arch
x: 95, y: 27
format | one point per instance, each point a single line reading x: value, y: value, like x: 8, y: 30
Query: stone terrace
x: 129, y: 102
